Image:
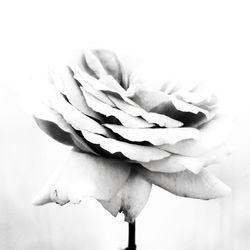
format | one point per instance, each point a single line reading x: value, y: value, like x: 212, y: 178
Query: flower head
x: 127, y: 136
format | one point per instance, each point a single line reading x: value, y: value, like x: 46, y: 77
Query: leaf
x: 84, y: 175
x: 200, y: 186
x: 175, y: 163
x: 104, y: 109
x: 212, y: 135
x: 132, y: 151
x: 156, y: 136
x: 151, y: 117
x: 131, y: 198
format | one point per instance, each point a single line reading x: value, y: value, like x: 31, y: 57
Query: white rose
x: 126, y: 135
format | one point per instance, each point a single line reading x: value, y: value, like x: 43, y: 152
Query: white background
x: 197, y: 40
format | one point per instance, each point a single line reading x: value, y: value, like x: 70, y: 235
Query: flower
x: 126, y: 135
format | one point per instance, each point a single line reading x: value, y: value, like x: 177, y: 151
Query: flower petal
x: 186, y: 107
x: 111, y: 83
x: 103, y: 108
x: 151, y: 117
x: 199, y: 99
x: 90, y: 89
x: 43, y: 112
x: 156, y: 136
x: 84, y: 175
x: 89, y: 84
x: 200, y: 186
x: 111, y: 63
x: 72, y: 91
x: 161, y: 103
x: 54, y: 125
x: 175, y: 163
x: 81, y: 144
x: 132, y: 151
x: 131, y: 198
x: 73, y: 116
x: 106, y: 83
x: 94, y: 64
x: 212, y: 135
x: 145, y: 97
x: 55, y: 132
x: 69, y: 138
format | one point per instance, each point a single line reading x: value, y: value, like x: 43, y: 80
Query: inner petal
x: 161, y: 103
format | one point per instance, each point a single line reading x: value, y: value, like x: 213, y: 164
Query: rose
x: 126, y: 136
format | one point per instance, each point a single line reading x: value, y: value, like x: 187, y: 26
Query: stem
x: 131, y: 236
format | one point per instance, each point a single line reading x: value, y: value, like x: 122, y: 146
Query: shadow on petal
x: 131, y: 198
x: 84, y: 175
x: 187, y: 184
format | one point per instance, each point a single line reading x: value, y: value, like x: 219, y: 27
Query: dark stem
x: 131, y: 236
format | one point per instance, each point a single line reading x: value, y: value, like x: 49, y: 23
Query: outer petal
x: 55, y: 132
x: 131, y: 151
x: 43, y: 112
x: 69, y: 138
x: 212, y: 135
x: 73, y: 116
x: 54, y: 125
x: 200, y: 186
x: 156, y: 136
x: 84, y: 175
x: 175, y: 163
x: 131, y: 198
